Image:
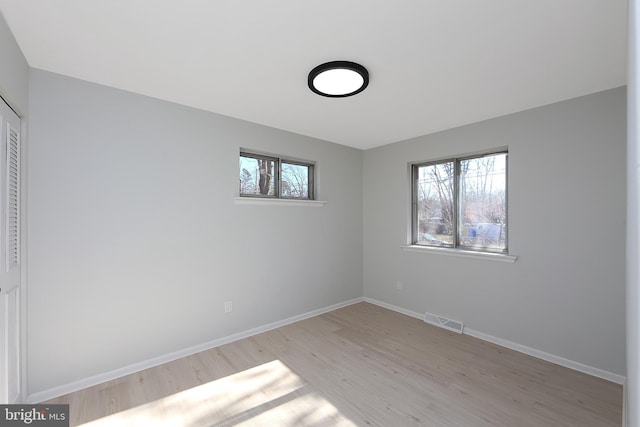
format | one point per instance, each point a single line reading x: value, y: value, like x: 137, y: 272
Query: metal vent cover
x: 443, y: 322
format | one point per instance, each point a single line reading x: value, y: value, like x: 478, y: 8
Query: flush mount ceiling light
x: 338, y: 79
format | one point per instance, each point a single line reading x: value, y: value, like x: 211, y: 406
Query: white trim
x: 624, y: 403
x: 577, y: 366
x: 567, y: 363
x: 395, y: 308
x: 137, y: 367
x: 277, y: 202
x: 460, y: 253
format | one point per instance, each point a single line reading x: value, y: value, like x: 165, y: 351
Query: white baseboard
x: 395, y: 308
x: 609, y: 376
x: 137, y: 367
x: 624, y: 404
x: 146, y: 364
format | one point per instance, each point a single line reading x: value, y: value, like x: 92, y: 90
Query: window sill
x: 461, y: 253
x: 278, y: 202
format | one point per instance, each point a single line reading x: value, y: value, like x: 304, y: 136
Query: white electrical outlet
x: 399, y: 285
x: 228, y: 306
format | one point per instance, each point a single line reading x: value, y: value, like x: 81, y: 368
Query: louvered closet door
x: 10, y: 256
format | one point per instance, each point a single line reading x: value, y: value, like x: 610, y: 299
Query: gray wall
x: 565, y: 295
x: 135, y: 241
x: 632, y: 386
x: 14, y: 71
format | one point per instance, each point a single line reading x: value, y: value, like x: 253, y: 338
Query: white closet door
x: 10, y: 256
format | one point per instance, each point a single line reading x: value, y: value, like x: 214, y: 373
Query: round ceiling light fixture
x: 338, y: 79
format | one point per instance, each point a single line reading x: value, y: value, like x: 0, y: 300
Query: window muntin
x: 461, y: 203
x: 273, y: 177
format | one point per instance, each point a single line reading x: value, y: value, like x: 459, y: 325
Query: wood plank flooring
x: 361, y: 365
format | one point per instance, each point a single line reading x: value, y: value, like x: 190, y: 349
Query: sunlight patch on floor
x: 269, y: 394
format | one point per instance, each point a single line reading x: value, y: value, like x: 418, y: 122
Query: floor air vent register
x: 443, y: 322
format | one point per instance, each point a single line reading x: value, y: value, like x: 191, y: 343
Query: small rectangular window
x: 270, y: 176
x: 461, y: 203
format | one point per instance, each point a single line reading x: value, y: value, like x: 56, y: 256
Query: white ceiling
x: 434, y: 64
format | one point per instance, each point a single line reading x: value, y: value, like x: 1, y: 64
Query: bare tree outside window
x: 483, y: 207
x: 435, y: 203
x: 256, y: 176
x: 266, y: 176
x: 265, y: 169
x: 462, y: 203
x: 295, y: 181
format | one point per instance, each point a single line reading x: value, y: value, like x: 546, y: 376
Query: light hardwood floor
x: 361, y: 365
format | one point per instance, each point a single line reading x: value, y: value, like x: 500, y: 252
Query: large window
x: 461, y: 203
x: 274, y: 177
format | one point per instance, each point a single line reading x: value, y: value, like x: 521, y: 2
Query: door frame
x: 20, y: 289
